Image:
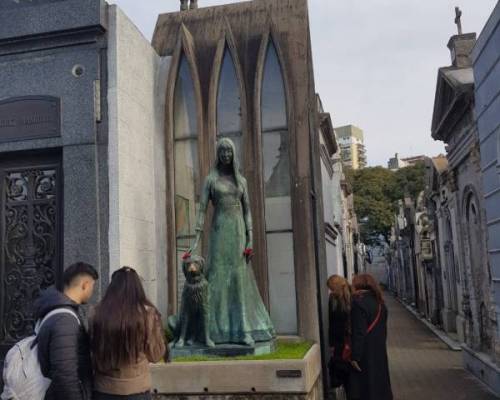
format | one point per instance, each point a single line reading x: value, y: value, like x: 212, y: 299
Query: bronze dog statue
x: 193, y: 321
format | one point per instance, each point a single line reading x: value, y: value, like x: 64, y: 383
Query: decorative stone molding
x: 475, y: 157
x: 451, y: 181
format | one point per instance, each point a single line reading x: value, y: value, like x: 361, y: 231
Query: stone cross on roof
x: 458, y: 21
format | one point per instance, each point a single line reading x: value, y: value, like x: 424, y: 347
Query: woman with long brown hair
x: 339, y: 331
x: 370, y: 379
x: 126, y: 335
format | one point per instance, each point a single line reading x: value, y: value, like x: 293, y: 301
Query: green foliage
x: 410, y: 181
x: 285, y: 350
x: 376, y: 193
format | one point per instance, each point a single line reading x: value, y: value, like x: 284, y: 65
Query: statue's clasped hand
x: 248, y: 253
x: 193, y: 248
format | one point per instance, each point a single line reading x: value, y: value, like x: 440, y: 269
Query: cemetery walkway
x: 422, y: 366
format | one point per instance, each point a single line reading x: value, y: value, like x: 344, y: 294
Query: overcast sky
x: 375, y: 62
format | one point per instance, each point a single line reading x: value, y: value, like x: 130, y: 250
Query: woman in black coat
x: 339, y: 327
x: 370, y: 379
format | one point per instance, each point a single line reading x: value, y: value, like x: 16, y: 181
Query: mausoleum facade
x: 105, y: 139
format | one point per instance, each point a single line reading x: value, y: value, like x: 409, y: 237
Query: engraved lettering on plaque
x: 31, y: 117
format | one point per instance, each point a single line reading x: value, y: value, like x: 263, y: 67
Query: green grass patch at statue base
x: 285, y: 350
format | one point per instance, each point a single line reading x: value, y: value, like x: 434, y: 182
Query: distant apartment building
x: 396, y: 162
x: 411, y: 161
x: 351, y: 142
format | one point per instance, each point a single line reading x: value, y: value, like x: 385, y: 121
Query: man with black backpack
x: 63, y: 340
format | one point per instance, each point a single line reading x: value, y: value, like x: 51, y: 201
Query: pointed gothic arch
x: 274, y: 140
x: 472, y: 210
x: 185, y: 156
x: 227, y: 104
x: 478, y: 269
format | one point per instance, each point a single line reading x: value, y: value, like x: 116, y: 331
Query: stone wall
x: 332, y: 208
x: 41, y: 44
x: 486, y: 62
x: 136, y: 94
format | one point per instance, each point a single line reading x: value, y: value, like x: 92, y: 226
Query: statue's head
x: 193, y: 268
x: 226, y: 157
x: 225, y: 152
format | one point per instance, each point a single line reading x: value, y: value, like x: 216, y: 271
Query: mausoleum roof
x: 454, y: 94
x: 440, y: 163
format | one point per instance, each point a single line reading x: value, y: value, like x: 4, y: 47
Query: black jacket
x: 339, y: 370
x: 369, y: 350
x: 338, y: 323
x: 63, y: 349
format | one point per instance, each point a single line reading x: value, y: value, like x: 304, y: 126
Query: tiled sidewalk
x: 422, y: 367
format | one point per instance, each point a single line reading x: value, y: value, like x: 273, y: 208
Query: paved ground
x: 422, y: 367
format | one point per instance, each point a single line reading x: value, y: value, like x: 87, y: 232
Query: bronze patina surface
x: 237, y: 314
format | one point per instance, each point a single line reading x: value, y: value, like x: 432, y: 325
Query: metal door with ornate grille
x: 30, y: 258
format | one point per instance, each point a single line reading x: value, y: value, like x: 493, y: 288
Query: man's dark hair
x: 76, y: 270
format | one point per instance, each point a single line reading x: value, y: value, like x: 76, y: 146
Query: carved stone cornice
x: 326, y: 126
x: 475, y: 156
x: 451, y: 181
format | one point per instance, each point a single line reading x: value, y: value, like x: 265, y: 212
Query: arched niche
x: 184, y: 144
x: 229, y: 114
x: 275, y: 146
x: 186, y: 156
x: 227, y: 99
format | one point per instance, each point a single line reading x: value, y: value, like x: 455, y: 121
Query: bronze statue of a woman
x: 237, y: 313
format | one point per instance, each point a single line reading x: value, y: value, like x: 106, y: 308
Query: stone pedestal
x: 221, y: 380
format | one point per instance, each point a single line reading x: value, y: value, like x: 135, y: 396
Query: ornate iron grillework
x: 30, y: 257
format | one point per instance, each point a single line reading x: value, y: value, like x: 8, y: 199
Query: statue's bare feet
x: 179, y: 343
x: 248, y: 340
x: 209, y: 342
x: 190, y: 342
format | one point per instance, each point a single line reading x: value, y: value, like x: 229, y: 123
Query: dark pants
x: 139, y: 396
x: 340, y: 375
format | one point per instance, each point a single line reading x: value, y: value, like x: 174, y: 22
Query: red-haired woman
x: 126, y: 335
x: 370, y: 379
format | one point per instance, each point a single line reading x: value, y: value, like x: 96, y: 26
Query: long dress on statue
x: 236, y: 307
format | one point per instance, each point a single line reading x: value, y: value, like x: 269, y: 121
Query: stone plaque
x: 32, y: 117
x: 289, y: 373
x: 8, y: 4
